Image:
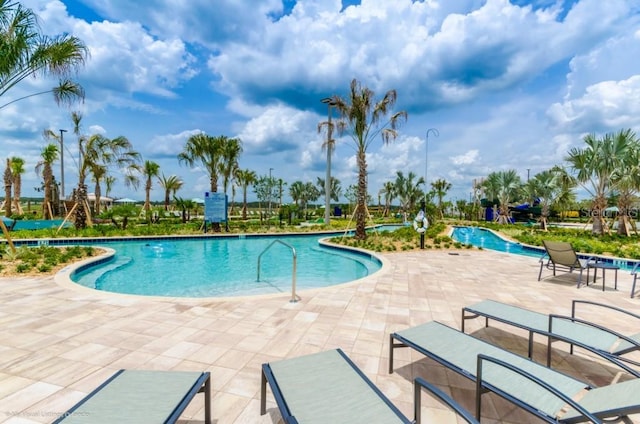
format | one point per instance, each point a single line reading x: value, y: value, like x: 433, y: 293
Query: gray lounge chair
x: 327, y: 387
x: 133, y: 396
x: 559, y: 255
x: 544, y: 392
x: 593, y: 337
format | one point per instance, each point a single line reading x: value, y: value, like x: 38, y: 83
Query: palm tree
x: 389, y: 190
x: 626, y: 179
x: 545, y: 186
x: 208, y: 151
x: 17, y: 169
x: 441, y: 187
x: 49, y: 155
x: 505, y: 186
x: 365, y: 119
x: 595, y: 166
x: 231, y: 150
x: 150, y: 170
x: 408, y: 190
x: 245, y: 178
x: 98, y: 152
x: 8, y: 184
x: 170, y: 185
x: 98, y: 174
x: 27, y: 52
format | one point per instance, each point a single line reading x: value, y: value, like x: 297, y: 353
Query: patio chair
x: 596, y: 338
x: 559, y: 255
x: 544, y: 392
x: 327, y: 387
x: 134, y: 396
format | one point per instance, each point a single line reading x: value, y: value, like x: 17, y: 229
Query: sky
x: 487, y: 85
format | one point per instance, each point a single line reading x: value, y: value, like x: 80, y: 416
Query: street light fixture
x: 435, y: 132
x: 327, y: 181
x: 62, y: 195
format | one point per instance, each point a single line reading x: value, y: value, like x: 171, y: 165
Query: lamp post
x: 435, y: 132
x: 327, y: 181
x: 62, y: 163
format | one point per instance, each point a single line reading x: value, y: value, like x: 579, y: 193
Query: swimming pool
x: 487, y: 239
x: 223, y: 266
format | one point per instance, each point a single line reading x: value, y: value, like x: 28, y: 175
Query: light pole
x: 62, y: 163
x: 435, y: 132
x: 327, y: 181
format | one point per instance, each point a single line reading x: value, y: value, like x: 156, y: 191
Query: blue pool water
x: 486, y: 239
x: 223, y: 266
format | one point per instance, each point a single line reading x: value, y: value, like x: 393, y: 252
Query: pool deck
x: 59, y: 343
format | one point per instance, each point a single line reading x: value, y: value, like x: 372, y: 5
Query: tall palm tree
x: 97, y: 152
x: 8, y: 184
x: 231, y: 150
x: 245, y: 178
x: 27, y: 52
x: 441, y: 188
x: 150, y: 170
x: 595, y: 166
x: 208, y: 151
x: 17, y: 169
x: 49, y: 154
x: 335, y: 188
x: 389, y: 190
x: 170, y: 185
x: 366, y: 119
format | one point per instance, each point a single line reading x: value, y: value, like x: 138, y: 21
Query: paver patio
x: 58, y: 342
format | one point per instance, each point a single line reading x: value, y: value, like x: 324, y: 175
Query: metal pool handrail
x: 294, y: 297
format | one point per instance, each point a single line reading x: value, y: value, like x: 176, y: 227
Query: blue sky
x: 507, y: 84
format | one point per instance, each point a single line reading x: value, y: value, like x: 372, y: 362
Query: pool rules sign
x: 215, y: 207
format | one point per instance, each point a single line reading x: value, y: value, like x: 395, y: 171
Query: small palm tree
x: 505, y: 186
x: 170, y: 185
x: 150, y: 170
x: 8, y: 184
x: 408, y: 190
x: 441, y: 188
x: 49, y: 154
x: 17, y: 169
x: 389, y: 190
x: 366, y: 119
x: 245, y: 178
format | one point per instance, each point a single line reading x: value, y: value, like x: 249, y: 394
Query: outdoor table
x: 604, y: 266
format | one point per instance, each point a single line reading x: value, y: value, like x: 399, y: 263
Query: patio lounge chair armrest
x: 616, y: 360
x: 539, y: 382
x: 603, y: 305
x: 420, y: 383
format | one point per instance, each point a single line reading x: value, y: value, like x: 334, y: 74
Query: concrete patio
x: 60, y: 341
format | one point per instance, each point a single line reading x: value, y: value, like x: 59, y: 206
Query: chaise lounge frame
x: 115, y: 401
x: 289, y: 379
x: 595, y: 338
x: 539, y: 390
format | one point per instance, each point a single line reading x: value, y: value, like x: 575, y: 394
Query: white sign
x: 215, y: 207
